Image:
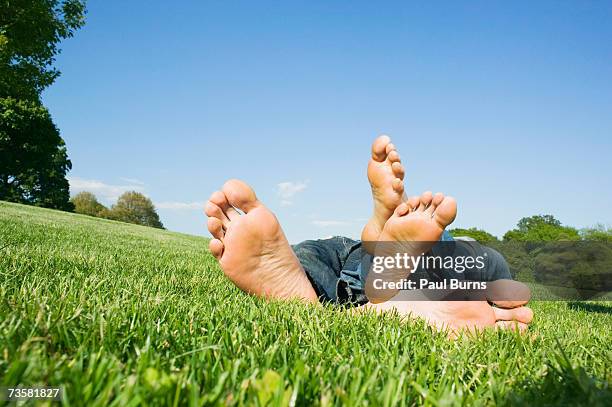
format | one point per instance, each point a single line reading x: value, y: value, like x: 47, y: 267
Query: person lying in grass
x: 254, y: 253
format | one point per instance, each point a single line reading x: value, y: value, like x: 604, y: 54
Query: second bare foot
x: 386, y: 177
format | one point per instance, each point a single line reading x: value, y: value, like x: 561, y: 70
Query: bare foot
x: 456, y: 316
x: 252, y: 248
x: 386, y: 176
x: 414, y: 228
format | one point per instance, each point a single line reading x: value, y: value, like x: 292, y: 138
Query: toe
x: 413, y: 202
x: 213, y: 211
x: 446, y: 211
x: 216, y: 248
x: 520, y: 314
x: 219, y: 199
x: 390, y: 148
x: 393, y: 156
x: 215, y: 227
x: 240, y: 195
x: 379, y: 148
x: 435, y: 201
x: 524, y: 315
x: 398, y: 185
x: 425, y: 200
x: 402, y: 209
x: 398, y: 170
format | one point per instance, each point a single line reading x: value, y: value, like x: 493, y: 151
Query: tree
x: 478, y: 234
x: 598, y: 233
x: 30, y: 32
x: 134, y: 207
x: 541, y: 228
x: 86, y: 203
x: 583, y: 265
x: 33, y: 159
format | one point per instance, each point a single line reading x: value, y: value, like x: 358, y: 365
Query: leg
x: 333, y: 268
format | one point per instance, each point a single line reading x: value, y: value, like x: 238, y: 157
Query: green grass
x: 121, y: 314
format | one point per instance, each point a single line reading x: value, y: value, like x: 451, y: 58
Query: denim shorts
x: 334, y: 266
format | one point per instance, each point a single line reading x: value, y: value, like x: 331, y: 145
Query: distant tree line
x: 131, y: 207
x: 539, y: 228
x: 541, y: 249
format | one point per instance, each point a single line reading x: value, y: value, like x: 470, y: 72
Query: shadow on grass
x: 563, y: 384
x: 590, y: 307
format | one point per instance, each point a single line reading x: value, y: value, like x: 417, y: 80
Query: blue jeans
x: 334, y: 269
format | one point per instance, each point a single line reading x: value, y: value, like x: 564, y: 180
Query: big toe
x: 240, y: 195
x: 379, y: 148
x: 446, y: 211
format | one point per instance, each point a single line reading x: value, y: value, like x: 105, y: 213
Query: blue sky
x: 505, y: 105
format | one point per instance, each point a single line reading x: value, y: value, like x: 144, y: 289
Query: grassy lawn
x: 122, y: 314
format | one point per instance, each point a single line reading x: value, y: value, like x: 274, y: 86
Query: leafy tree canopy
x: 86, y: 203
x: 30, y: 31
x: 541, y: 228
x: 477, y: 234
x: 134, y: 207
x: 599, y: 233
x: 33, y: 159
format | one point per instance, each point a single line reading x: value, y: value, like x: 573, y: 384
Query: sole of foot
x: 251, y: 246
x: 386, y: 177
x: 415, y: 226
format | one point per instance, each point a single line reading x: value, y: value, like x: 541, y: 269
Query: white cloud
x: 328, y: 223
x: 288, y: 189
x: 105, y: 192
x: 132, y: 181
x: 179, y: 206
